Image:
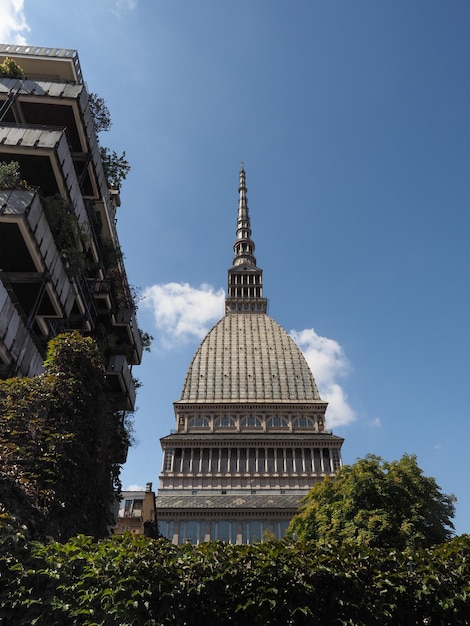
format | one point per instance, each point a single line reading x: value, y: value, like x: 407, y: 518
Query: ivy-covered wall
x: 60, y: 442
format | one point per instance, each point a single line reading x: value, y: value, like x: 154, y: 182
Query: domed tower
x: 250, y: 437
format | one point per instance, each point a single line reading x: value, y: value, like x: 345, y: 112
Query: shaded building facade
x: 250, y: 438
x: 136, y: 512
x: 61, y: 267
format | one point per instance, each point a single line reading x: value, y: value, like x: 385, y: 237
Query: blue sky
x: 353, y: 121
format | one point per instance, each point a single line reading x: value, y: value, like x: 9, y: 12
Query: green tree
x: 116, y: 168
x: 377, y: 504
x: 60, y: 444
x: 100, y: 113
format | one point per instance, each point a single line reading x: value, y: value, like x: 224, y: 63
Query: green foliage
x: 146, y: 340
x: 10, y: 177
x: 116, y: 168
x: 10, y: 69
x: 133, y: 580
x: 100, y: 113
x: 378, y: 504
x: 67, y: 234
x: 59, y: 441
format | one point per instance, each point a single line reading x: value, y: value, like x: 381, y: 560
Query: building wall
x: 136, y: 508
x: 47, y: 127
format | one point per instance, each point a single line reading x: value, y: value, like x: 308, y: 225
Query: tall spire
x: 245, y: 280
x: 244, y: 246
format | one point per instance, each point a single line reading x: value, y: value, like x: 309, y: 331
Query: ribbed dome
x: 248, y: 357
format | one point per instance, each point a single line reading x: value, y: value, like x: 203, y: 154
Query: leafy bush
x: 116, y: 168
x: 135, y: 580
x: 67, y: 234
x: 10, y: 69
x: 100, y: 113
x: 10, y: 177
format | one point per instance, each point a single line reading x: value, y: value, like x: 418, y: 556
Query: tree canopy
x: 379, y: 504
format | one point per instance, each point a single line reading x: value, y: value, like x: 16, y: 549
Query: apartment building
x: 61, y: 267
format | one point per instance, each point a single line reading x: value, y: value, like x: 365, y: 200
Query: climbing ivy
x: 59, y: 444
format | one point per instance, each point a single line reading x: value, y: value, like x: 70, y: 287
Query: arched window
x: 303, y: 422
x: 199, y: 422
x: 251, y: 422
x: 277, y: 422
x: 225, y: 422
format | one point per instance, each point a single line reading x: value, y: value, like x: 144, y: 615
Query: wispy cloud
x: 13, y: 26
x: 183, y: 313
x: 328, y: 363
x: 134, y: 487
x: 119, y: 6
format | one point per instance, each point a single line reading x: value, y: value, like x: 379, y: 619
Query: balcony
x: 16, y: 343
x: 120, y: 381
x: 30, y: 260
x: 46, y: 162
x: 125, y: 319
x: 47, y: 62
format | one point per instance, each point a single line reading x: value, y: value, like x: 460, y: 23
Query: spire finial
x: 245, y: 287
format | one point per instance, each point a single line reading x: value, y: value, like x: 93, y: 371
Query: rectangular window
x: 128, y: 508
x: 270, y: 462
x: 233, y: 460
x: 224, y: 461
x: 317, y: 461
x: 252, y: 460
x: 298, y: 461
x: 167, y: 528
x: 326, y: 460
x: 205, y: 461
x: 243, y: 461
x: 168, y: 462
x: 224, y: 530
x: 190, y: 531
x: 253, y: 530
x: 335, y: 458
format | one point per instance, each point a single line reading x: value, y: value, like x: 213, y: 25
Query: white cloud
x: 123, y: 5
x: 376, y: 422
x: 183, y: 312
x: 134, y: 487
x: 328, y: 363
x: 13, y: 24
